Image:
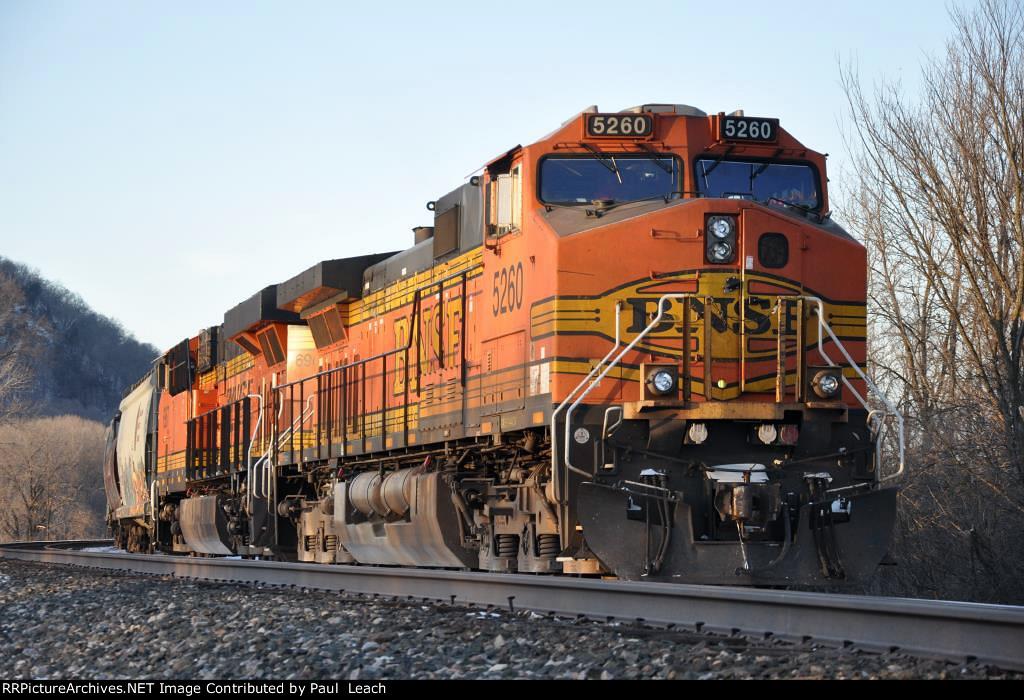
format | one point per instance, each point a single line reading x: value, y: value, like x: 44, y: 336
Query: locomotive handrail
x: 203, y: 442
x: 152, y: 512
x: 890, y: 408
x: 611, y: 365
x: 605, y: 431
x: 248, y: 455
x: 265, y: 457
x: 340, y: 368
x: 303, y: 416
x: 823, y: 326
x: 614, y: 363
x: 388, y: 353
x: 276, y: 443
x: 414, y: 340
x: 554, y: 414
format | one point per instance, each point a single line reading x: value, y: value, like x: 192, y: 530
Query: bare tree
x: 938, y: 197
x: 51, y: 471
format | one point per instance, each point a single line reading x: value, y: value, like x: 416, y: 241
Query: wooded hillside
x: 58, y: 356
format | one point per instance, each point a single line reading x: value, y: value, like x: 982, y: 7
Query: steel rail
x: 956, y: 631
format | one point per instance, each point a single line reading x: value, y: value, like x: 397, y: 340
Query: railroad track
x: 992, y: 634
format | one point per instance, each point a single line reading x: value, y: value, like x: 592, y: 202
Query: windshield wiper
x: 764, y: 166
x: 605, y: 160
x: 607, y: 205
x: 718, y: 161
x: 656, y: 157
x: 601, y: 206
x: 549, y: 206
x: 790, y: 203
x: 810, y: 211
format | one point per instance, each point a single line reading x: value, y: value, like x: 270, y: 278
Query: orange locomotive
x: 632, y: 348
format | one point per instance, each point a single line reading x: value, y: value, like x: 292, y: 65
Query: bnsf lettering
x: 428, y: 353
x: 725, y: 315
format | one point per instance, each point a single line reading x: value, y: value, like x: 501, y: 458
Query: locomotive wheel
x: 136, y: 539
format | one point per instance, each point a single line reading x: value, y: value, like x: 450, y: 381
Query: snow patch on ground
x: 104, y: 550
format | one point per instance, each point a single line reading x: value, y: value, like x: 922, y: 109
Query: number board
x: 629, y: 126
x: 748, y: 129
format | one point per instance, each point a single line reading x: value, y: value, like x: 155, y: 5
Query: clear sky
x: 165, y: 160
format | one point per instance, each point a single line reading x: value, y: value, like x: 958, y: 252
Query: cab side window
x: 506, y: 202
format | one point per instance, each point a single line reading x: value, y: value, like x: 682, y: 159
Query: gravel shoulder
x: 61, y: 622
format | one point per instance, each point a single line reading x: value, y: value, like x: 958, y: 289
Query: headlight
x: 697, y: 433
x: 720, y: 252
x: 721, y: 226
x: 661, y: 381
x: 826, y: 384
x: 767, y: 433
x: 720, y: 234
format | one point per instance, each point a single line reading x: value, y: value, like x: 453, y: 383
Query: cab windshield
x: 785, y: 183
x: 572, y: 180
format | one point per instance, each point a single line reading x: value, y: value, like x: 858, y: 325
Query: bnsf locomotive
x: 634, y: 348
